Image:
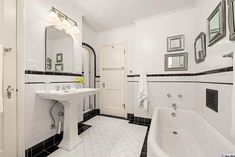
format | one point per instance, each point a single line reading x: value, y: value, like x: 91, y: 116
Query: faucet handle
x: 169, y: 95
x: 57, y: 88
x: 180, y: 96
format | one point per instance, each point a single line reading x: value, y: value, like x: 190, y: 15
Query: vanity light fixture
x: 65, y: 20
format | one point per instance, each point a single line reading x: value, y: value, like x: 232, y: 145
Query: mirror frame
x: 201, y: 36
x: 185, y: 68
x: 181, y: 39
x: 221, y: 8
x: 231, y: 21
x: 46, y: 51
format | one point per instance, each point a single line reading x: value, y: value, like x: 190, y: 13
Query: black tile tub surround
x: 33, y: 72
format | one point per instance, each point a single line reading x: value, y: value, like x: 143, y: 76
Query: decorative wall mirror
x: 200, y: 48
x: 217, y: 23
x: 175, y: 43
x: 176, y: 62
x: 231, y: 19
x: 59, y: 50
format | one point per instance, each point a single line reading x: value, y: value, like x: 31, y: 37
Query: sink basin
x: 66, y: 94
x: 73, y: 112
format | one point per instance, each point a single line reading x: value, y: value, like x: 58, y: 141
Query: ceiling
x: 102, y: 15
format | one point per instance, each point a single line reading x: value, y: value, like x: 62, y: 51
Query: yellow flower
x: 80, y: 80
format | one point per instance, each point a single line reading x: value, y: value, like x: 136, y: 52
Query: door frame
x: 125, y: 44
x: 21, y: 130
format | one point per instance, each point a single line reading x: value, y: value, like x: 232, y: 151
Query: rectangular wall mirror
x: 217, y: 23
x: 231, y: 19
x: 59, y: 50
x: 200, y: 48
x: 176, y: 62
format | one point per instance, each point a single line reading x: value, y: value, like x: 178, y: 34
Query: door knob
x: 103, y: 85
x: 9, y: 91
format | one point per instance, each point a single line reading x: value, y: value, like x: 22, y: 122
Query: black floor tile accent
x: 42, y: 154
x: 110, y: 116
x: 52, y: 149
x: 139, y: 120
x: 83, y: 128
x: 144, y: 148
x: 90, y: 114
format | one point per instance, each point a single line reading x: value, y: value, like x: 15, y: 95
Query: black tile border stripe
x: 224, y: 83
x: 215, y: 71
x: 32, y: 72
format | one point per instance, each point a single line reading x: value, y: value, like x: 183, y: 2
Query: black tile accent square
x: 130, y: 116
x: 49, y: 142
x: 51, y: 149
x: 212, y: 99
x: 58, y: 138
x: 28, y: 153
x: 42, y: 154
x: 37, y: 149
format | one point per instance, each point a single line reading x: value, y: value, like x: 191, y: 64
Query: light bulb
x: 76, y: 29
x: 53, y: 15
x: 66, y: 23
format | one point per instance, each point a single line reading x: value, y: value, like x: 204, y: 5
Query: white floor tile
x: 108, y: 137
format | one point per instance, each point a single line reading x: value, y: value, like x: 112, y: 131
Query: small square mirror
x: 175, y: 43
x: 176, y: 62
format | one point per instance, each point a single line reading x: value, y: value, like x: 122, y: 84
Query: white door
x: 8, y: 125
x: 113, y: 80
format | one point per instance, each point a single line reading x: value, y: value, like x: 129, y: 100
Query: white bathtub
x: 192, y: 137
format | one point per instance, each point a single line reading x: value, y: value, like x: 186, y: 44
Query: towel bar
x: 230, y: 55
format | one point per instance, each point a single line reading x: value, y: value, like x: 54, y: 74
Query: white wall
x: 36, y: 20
x: 221, y: 120
x: 151, y: 36
x: 89, y: 36
x: 38, y: 120
x: 147, y: 46
x: 146, y: 49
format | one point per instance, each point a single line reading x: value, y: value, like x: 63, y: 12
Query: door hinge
x: 124, y: 106
x: 124, y: 51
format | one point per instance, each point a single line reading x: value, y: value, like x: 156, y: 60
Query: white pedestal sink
x: 70, y: 99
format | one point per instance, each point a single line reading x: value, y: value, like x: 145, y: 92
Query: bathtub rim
x: 156, y: 148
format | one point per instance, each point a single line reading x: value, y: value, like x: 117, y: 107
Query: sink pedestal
x: 70, y: 137
x: 73, y: 112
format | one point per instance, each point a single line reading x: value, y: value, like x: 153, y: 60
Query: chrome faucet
x: 174, y: 106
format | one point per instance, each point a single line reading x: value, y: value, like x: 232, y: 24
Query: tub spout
x: 174, y: 106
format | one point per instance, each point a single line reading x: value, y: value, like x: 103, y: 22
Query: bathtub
x: 186, y: 135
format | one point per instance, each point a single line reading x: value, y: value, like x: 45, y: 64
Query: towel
x: 233, y: 100
x: 143, y: 91
x: 1, y: 78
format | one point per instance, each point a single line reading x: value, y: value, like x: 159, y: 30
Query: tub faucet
x: 174, y: 106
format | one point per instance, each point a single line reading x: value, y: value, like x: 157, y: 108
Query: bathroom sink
x: 72, y: 101
x: 66, y: 94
